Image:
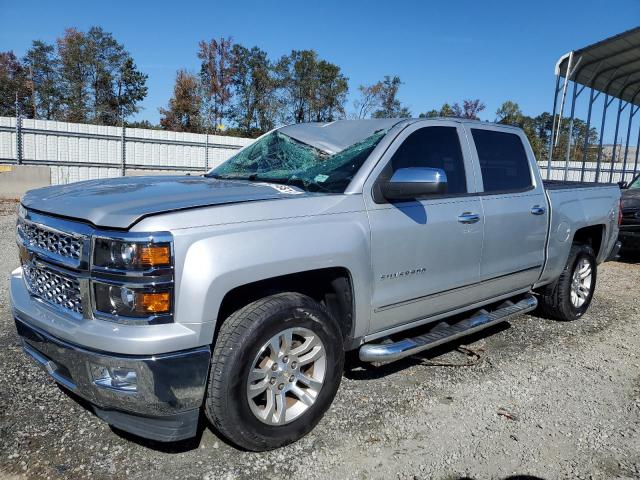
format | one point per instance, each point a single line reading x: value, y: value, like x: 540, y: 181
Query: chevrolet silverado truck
x: 630, y: 223
x: 236, y: 294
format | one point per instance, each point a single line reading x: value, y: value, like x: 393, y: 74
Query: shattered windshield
x: 279, y: 158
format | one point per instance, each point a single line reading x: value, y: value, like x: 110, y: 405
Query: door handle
x: 468, y: 217
x: 537, y: 210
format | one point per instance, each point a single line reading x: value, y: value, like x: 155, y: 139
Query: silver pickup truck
x: 237, y: 293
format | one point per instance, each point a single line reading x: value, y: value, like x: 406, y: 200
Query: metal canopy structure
x: 611, y: 68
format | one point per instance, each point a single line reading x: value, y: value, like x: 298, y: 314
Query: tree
x: 130, y: 88
x: 509, y: 114
x: 74, y: 75
x: 445, y: 111
x: 470, y: 109
x: 216, y: 73
x: 14, y: 86
x: 185, y: 106
x: 369, y: 100
x: 312, y: 89
x: 254, y: 89
x: 296, y: 78
x: 115, y: 83
x: 100, y: 82
x: 390, y: 106
x: 42, y: 66
x: 331, y: 92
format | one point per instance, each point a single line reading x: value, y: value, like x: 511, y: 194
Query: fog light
x: 115, y: 378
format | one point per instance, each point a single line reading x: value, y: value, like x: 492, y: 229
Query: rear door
x: 425, y: 255
x: 514, y: 207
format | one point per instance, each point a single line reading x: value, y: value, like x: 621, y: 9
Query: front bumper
x: 169, y: 388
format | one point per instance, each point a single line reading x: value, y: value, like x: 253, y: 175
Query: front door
x: 425, y: 253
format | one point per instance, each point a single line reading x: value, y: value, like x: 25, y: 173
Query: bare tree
x: 369, y: 100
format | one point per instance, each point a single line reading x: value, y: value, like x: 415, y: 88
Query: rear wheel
x: 275, y: 370
x: 570, y: 296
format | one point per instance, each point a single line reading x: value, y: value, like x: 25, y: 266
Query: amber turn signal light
x: 155, y: 255
x: 156, y: 302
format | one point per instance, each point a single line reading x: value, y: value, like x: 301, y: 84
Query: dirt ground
x: 542, y: 398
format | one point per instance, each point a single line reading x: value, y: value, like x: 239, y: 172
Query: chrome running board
x: 442, y: 333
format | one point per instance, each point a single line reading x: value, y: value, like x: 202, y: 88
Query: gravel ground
x: 546, y: 399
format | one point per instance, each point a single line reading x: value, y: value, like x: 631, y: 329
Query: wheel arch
x: 332, y: 286
x: 592, y: 235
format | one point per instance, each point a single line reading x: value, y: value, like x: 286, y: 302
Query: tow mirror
x: 414, y: 182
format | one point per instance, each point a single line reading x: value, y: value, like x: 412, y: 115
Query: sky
x: 442, y: 51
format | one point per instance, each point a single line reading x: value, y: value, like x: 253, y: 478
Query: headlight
x: 124, y: 301
x: 125, y: 255
x: 132, y: 277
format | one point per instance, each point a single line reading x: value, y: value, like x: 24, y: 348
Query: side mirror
x: 414, y: 182
x: 623, y: 185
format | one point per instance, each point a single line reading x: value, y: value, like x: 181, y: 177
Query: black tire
x: 554, y: 300
x: 240, y: 338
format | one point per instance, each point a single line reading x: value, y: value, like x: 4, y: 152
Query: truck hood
x: 121, y: 202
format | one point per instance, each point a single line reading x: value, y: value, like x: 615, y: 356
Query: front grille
x: 53, y: 287
x: 59, y: 243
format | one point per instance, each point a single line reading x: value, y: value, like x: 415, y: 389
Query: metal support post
x: 18, y: 139
x: 585, y: 153
x: 635, y: 164
x: 123, y: 150
x: 632, y: 112
x: 615, y: 138
x: 607, y: 102
x: 573, y: 109
x: 206, y: 151
x: 553, y: 125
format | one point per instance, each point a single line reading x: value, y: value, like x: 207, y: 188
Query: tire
x: 555, y: 301
x: 240, y: 350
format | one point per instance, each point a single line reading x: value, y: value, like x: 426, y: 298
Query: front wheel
x: 570, y: 296
x: 275, y: 370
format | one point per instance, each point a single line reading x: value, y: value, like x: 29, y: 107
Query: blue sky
x: 443, y: 51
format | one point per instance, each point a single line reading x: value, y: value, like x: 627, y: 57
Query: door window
x: 503, y: 161
x: 434, y: 147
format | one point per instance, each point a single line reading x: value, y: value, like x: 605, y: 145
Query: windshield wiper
x: 254, y: 177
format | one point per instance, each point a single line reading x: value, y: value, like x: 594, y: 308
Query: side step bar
x: 442, y: 333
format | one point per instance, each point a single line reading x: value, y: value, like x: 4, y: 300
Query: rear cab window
x: 503, y: 161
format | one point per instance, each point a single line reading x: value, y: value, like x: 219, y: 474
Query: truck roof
x: 335, y: 136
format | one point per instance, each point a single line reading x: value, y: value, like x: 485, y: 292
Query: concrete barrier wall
x: 17, y: 179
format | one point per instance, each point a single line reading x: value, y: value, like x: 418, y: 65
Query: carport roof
x: 611, y: 66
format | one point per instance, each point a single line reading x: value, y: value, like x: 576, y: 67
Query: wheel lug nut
x: 292, y: 378
x: 281, y: 386
x: 285, y: 359
x: 274, y: 367
x: 294, y: 364
x: 272, y: 381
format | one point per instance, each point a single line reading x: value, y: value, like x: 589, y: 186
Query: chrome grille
x: 53, y: 287
x: 53, y: 241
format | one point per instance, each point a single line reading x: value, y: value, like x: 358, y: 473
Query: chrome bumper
x: 169, y: 388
